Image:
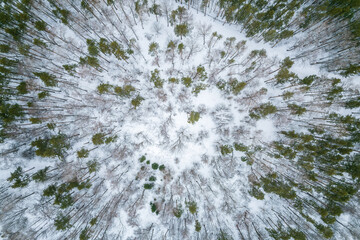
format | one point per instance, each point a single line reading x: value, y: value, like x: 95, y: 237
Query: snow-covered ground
x: 195, y: 170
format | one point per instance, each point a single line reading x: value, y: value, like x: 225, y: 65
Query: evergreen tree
x: 98, y: 138
x: 62, y: 222
x: 41, y: 175
x: 19, y: 178
x: 51, y: 147
x: 181, y: 30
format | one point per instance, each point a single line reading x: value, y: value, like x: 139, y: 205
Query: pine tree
x: 156, y: 79
x: 197, y: 226
x: 178, y: 211
x: 193, y: 117
x: 51, y: 147
x: 48, y: 79
x: 19, y: 178
x: 192, y: 206
x: 62, y: 222
x: 181, y: 30
x: 98, y: 138
x: 9, y: 112
x: 262, y: 111
x: 137, y: 101
x: 41, y: 175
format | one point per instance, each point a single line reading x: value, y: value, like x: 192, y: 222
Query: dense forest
x: 187, y: 119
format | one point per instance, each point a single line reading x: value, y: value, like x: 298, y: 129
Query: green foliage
x: 98, y: 138
x: 178, y: 211
x: 335, y: 92
x: 235, y: 86
x: 187, y: 81
x: 152, y: 179
x: 16, y: 33
x: 124, y: 91
x: 24, y: 49
x: 51, y: 126
x: 226, y: 149
x: 181, y: 30
x: 93, y: 166
x: 142, y: 158
x: 41, y: 175
x: 64, y: 200
x: 148, y: 185
x: 9, y: 112
x: 193, y: 117
x: 287, y: 63
x: 351, y: 69
x: 223, y: 236
x: 262, y: 111
x: 4, y: 48
x: 48, y: 79
x: 181, y: 48
x: 83, y: 153
x: 137, y: 101
x: 70, y: 68
x: 21, y: 88
x: 154, y: 166
x: 118, y: 51
x: 278, y: 234
x: 286, y: 34
x: 62, y: 193
x: 62, y: 222
x: 156, y: 79
x: 352, y: 166
x: 257, y: 193
x: 104, y: 88
x: 154, y: 208
x: 91, y: 61
x: 278, y: 187
x: 110, y: 139
x: 282, y: 233
x: 296, y: 234
x: 173, y: 80
x: 287, y: 95
x: 340, y: 192
x: 93, y: 221
x: 19, y: 178
x: 197, y: 226
x: 162, y: 167
x: 43, y: 94
x: 296, y: 109
x: 325, y: 230
x: 85, y: 234
x: 104, y: 46
x: 353, y: 103
x: 62, y: 14
x: 284, y: 75
x: 192, y: 206
x: 199, y: 87
x: 247, y: 159
x: 38, y: 42
x: 51, y: 147
x: 153, y: 48
x: 35, y: 120
x: 92, y: 47
x: 178, y: 15
x: 40, y: 25
x: 240, y: 147
x: 201, y: 73
x: 270, y: 35
x: 155, y: 9
x: 50, y: 190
